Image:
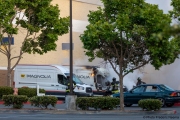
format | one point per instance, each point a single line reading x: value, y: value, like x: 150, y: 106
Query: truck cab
x: 81, y: 88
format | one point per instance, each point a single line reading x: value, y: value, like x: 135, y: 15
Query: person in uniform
x: 108, y: 88
x: 68, y: 85
x: 139, y: 81
x: 114, y: 85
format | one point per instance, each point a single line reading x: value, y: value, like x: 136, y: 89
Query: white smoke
x: 168, y: 75
x: 129, y: 80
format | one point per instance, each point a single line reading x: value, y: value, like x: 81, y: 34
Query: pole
x: 71, y: 51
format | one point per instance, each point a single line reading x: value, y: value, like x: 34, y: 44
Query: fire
x: 92, y: 74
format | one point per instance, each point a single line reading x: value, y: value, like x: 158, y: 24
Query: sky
x: 163, y: 4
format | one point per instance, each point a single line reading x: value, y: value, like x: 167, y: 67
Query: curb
x: 63, y: 111
x: 120, y: 112
x: 28, y: 103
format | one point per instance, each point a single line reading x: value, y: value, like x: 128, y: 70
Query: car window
x: 165, y: 87
x: 62, y: 80
x: 151, y: 88
x: 148, y: 88
x: 138, y: 89
x: 75, y: 78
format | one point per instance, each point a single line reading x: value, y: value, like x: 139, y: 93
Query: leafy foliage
x: 174, y: 30
x: 150, y: 104
x: 39, y: 19
x: 29, y: 92
x: 4, y: 90
x: 16, y: 101
x: 127, y: 29
x: 97, y: 102
x: 43, y: 101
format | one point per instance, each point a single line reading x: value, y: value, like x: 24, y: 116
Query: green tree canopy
x: 174, y: 30
x: 124, y: 34
x: 40, y: 20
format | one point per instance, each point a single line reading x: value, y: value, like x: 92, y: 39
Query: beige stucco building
x: 80, y: 10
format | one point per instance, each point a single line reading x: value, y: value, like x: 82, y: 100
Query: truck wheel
x: 128, y: 105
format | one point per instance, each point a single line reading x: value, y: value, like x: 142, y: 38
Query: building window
x: 5, y: 40
x: 66, y: 46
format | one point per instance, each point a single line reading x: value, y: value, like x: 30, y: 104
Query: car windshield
x: 75, y: 79
x: 165, y: 87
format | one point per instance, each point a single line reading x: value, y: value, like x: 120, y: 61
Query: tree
x: 174, y: 30
x: 124, y: 34
x: 40, y: 20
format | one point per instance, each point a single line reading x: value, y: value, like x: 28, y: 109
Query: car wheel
x: 162, y: 101
x: 169, y: 104
x: 128, y: 105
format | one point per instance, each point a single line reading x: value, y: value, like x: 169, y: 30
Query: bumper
x: 173, y: 100
x: 80, y: 94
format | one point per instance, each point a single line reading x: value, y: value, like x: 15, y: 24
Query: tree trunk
x: 121, y: 94
x: 121, y: 90
x: 9, y: 81
x: 9, y: 69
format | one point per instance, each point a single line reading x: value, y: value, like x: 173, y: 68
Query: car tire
x: 162, y: 101
x: 128, y: 105
x: 169, y: 104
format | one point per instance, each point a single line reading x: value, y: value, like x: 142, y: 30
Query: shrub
x: 43, y: 101
x: 97, y: 102
x: 83, y: 102
x: 4, y: 90
x: 150, y: 104
x: 16, y: 101
x: 29, y: 92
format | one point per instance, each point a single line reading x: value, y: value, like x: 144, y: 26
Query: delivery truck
x: 97, y: 77
x: 51, y: 78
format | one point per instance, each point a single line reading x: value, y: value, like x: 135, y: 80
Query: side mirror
x: 131, y: 91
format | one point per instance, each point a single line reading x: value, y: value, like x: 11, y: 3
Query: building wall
x: 3, y: 81
x: 80, y: 10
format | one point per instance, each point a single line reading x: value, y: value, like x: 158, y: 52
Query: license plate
x: 178, y: 94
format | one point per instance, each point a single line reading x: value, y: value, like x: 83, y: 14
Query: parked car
x: 168, y: 96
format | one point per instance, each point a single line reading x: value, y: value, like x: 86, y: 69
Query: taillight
x: 174, y: 94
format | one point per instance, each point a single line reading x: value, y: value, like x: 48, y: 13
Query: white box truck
x: 51, y: 78
x: 96, y: 77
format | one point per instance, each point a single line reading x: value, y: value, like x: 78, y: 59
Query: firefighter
x: 68, y: 85
x: 139, y: 81
x: 108, y: 88
x: 114, y: 85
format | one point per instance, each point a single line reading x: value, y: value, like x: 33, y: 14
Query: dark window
x: 5, y: 40
x: 62, y: 80
x: 66, y: 46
